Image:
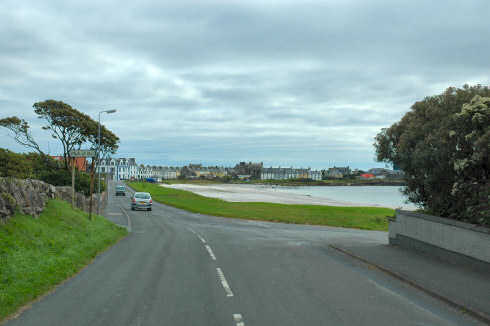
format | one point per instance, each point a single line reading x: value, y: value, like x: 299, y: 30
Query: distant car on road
x: 141, y: 200
x: 120, y: 190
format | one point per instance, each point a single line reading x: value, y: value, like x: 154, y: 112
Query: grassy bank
x: 365, y: 218
x: 37, y: 254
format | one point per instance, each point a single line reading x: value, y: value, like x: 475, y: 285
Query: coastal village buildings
x: 127, y: 169
x: 380, y: 173
x: 250, y: 169
x: 170, y: 172
x: 119, y: 168
x: 337, y: 172
x: 289, y: 173
x: 314, y: 175
x: 144, y: 172
x: 198, y: 171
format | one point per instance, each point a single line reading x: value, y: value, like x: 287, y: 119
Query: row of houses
x: 289, y: 173
x: 337, y: 172
x: 125, y: 169
x: 374, y: 173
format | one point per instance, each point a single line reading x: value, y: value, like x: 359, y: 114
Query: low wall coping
x: 447, y: 221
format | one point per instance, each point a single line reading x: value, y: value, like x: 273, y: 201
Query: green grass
x: 37, y: 254
x: 365, y: 218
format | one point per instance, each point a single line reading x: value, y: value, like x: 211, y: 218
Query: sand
x: 257, y: 193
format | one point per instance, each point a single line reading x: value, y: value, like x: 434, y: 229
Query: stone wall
x: 30, y: 196
x: 455, y: 240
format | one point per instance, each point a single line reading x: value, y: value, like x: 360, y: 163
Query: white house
x: 145, y: 172
x: 314, y: 175
x: 170, y: 172
x: 119, y: 168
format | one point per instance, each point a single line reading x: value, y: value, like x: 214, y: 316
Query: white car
x: 141, y: 200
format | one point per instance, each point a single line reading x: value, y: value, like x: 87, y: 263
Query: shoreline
x: 262, y: 193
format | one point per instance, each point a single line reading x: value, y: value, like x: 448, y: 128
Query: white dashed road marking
x: 238, y: 320
x: 225, y: 284
x: 213, y: 257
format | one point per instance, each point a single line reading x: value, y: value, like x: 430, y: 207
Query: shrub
x: 443, y: 145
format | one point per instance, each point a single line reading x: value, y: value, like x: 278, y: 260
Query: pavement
x: 466, y: 288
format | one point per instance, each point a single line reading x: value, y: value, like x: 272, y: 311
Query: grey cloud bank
x: 303, y: 83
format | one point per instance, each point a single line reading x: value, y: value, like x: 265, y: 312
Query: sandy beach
x: 257, y: 193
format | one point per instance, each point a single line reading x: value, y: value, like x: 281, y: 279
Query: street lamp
x: 98, y: 156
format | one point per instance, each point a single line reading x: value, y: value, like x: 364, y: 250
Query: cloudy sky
x: 287, y: 83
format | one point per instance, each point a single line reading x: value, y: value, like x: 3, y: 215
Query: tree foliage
x: 66, y: 124
x: 443, y: 146
x: 14, y: 165
x: 71, y: 127
x: 22, y: 135
x: 74, y: 128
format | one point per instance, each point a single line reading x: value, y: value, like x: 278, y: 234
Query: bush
x: 37, y: 166
x: 14, y: 165
x: 62, y: 177
x: 443, y: 146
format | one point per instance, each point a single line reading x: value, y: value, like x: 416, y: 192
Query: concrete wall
x: 440, y: 236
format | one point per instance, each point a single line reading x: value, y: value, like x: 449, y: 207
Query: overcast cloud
x: 301, y: 83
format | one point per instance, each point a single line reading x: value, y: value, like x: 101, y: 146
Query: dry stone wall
x: 30, y: 196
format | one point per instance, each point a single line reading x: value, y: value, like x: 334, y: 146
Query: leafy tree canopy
x: 443, y: 146
x: 22, y: 135
x: 71, y: 127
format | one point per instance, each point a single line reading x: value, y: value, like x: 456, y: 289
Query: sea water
x: 385, y: 196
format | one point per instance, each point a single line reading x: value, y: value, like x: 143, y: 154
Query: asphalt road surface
x: 180, y: 268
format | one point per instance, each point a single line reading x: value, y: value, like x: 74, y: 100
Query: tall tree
x: 67, y: 124
x: 70, y: 126
x: 442, y: 144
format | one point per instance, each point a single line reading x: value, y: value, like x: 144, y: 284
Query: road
x: 180, y: 268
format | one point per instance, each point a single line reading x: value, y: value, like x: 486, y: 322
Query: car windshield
x: 120, y: 188
x: 144, y: 196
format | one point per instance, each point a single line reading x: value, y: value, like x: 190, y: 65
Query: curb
x: 467, y: 310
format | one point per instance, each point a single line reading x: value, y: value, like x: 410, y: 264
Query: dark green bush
x: 37, y: 166
x: 443, y: 146
x: 14, y: 165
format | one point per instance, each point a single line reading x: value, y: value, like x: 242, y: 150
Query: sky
x: 287, y: 83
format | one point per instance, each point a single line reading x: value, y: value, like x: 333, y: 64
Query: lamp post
x: 98, y: 157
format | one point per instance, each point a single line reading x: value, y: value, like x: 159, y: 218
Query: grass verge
x: 37, y: 254
x: 365, y: 218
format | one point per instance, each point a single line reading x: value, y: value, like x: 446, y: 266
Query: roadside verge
x: 37, y: 254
